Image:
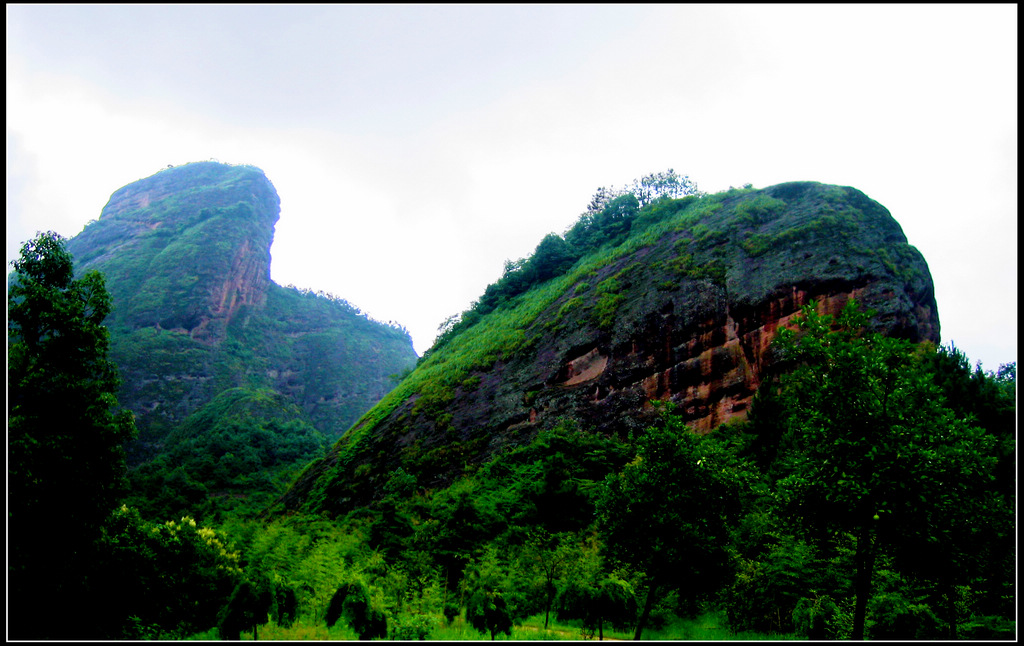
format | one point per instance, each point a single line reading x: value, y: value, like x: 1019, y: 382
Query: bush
x: 988, y: 628
x: 896, y: 616
x: 821, y: 618
x: 406, y: 627
x: 352, y: 602
x: 170, y: 577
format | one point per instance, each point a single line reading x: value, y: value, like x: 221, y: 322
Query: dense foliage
x: 159, y: 580
x: 610, y: 534
x: 871, y: 458
x: 870, y: 493
x: 668, y: 513
x: 235, y: 455
x: 65, y: 463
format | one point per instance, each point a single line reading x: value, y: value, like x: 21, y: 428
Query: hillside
x: 680, y: 301
x: 826, y: 471
x: 186, y: 256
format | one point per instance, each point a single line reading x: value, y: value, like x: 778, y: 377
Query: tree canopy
x: 66, y: 467
x: 668, y: 513
x: 871, y: 449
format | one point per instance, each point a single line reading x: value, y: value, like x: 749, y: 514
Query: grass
x: 533, y: 628
x: 710, y: 626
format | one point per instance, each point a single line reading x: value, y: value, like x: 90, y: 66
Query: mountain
x: 678, y: 300
x: 186, y: 256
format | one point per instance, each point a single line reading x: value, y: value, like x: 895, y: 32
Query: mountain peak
x: 186, y: 256
x: 680, y: 304
x: 185, y: 248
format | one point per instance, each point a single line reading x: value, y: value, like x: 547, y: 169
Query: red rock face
x: 245, y: 283
x: 709, y: 370
x: 198, y: 201
x: 727, y: 363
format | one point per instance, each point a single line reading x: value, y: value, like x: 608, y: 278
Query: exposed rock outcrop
x: 186, y: 256
x: 186, y: 248
x: 694, y: 306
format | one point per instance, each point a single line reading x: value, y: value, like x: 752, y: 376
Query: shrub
x: 352, y: 603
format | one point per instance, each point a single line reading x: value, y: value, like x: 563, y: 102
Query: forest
x: 869, y: 494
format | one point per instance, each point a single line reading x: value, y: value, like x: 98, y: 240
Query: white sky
x: 415, y: 148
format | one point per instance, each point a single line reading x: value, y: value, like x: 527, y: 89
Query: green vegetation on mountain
x: 186, y: 254
x: 236, y: 382
x: 868, y: 493
x: 612, y: 534
x: 234, y: 455
x: 635, y: 265
x: 610, y: 217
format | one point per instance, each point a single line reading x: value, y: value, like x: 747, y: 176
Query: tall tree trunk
x: 547, y: 607
x: 950, y: 610
x: 865, y: 565
x: 647, y: 610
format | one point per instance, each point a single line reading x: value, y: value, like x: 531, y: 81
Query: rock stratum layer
x: 684, y: 310
x: 186, y: 257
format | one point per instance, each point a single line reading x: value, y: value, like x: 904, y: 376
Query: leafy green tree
x: 775, y: 571
x: 284, y: 604
x: 551, y: 258
x: 655, y: 186
x: 871, y: 450
x: 487, y: 608
x: 175, y: 576
x: 590, y: 593
x: 247, y: 609
x: 353, y: 603
x: 66, y: 467
x: 615, y: 220
x: 545, y: 555
x: 987, y: 398
x: 668, y: 513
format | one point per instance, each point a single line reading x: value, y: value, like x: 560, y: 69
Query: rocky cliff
x: 186, y: 256
x: 684, y: 310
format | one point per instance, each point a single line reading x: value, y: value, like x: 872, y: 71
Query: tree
x: 611, y: 211
x: 284, y: 604
x: 546, y: 555
x: 591, y: 593
x: 871, y: 450
x: 66, y: 467
x: 617, y: 217
x: 552, y: 257
x: 353, y: 603
x: 173, y: 577
x: 486, y: 607
x: 246, y: 610
x: 655, y: 186
x: 647, y: 189
x: 669, y: 512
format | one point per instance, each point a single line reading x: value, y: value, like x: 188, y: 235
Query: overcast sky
x: 416, y: 148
